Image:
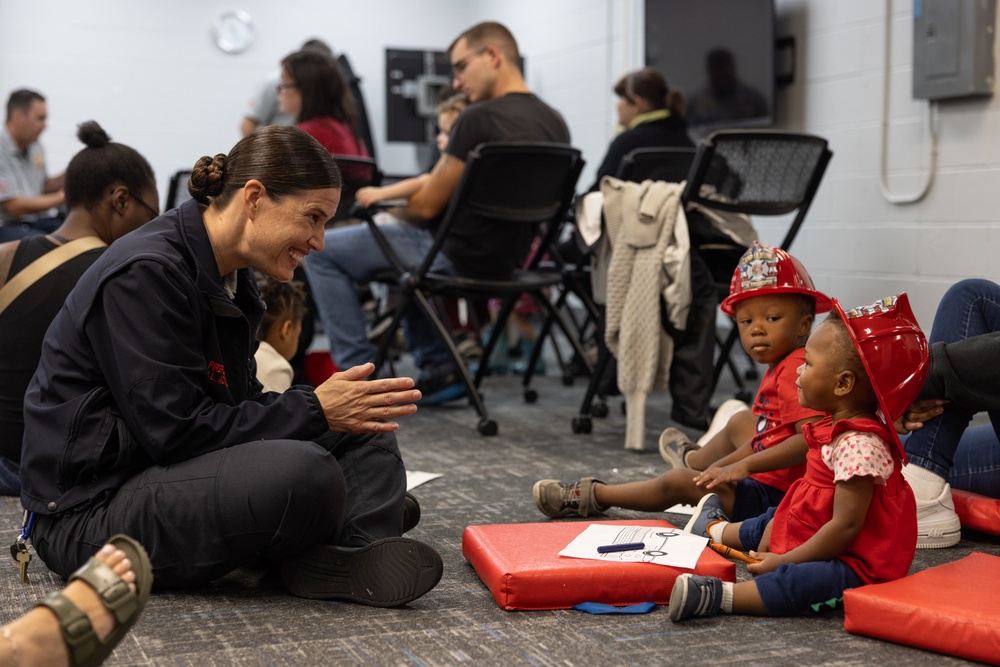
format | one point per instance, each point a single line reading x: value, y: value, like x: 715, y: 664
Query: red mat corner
x: 952, y: 609
x: 977, y: 512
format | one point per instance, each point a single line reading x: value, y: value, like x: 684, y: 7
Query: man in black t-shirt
x: 485, y: 67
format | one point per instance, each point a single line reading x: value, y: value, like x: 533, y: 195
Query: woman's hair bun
x: 206, y: 179
x: 92, y: 134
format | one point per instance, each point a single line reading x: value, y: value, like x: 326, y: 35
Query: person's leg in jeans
x: 16, y: 232
x: 352, y: 255
x: 10, y: 478
x: 969, y: 308
x: 976, y: 466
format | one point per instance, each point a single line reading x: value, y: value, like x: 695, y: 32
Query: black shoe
x: 440, y: 385
x: 411, y: 512
x: 386, y: 573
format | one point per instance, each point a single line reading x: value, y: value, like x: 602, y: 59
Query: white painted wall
x: 856, y: 245
x: 148, y: 72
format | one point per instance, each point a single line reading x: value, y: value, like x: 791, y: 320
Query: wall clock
x: 233, y: 31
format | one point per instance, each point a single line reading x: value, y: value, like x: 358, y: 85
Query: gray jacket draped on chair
x: 650, y: 259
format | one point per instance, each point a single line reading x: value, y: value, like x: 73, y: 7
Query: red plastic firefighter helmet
x: 763, y: 270
x: 894, y: 352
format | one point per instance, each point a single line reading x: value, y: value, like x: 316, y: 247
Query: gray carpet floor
x: 245, y: 618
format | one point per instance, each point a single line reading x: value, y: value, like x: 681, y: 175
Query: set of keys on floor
x: 19, y: 552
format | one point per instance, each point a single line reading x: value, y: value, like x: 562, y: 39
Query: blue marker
x: 612, y: 548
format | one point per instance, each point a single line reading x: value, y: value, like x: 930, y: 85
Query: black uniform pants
x: 253, y: 503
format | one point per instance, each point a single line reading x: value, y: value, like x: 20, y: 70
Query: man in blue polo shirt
x: 27, y: 193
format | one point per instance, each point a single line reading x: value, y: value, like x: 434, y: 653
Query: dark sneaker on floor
x: 411, y: 512
x: 558, y: 499
x: 440, y: 385
x: 386, y: 573
x: 674, y: 446
x: 708, y: 511
x: 694, y: 595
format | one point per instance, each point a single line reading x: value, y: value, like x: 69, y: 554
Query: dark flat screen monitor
x: 719, y: 54
x: 414, y: 81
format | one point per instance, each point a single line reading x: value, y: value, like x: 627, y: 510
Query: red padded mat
x: 952, y: 608
x: 519, y: 563
x: 977, y: 512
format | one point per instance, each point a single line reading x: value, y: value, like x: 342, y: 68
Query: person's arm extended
x: 399, y: 190
x: 54, y: 184
x: 18, y: 207
x: 248, y: 125
x: 851, y: 500
x: 742, y: 463
x: 789, y: 452
x: 435, y: 192
x: 964, y: 372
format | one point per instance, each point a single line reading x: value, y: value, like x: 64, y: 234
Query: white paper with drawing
x: 663, y: 546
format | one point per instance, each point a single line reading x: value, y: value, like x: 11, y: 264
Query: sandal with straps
x: 85, y: 648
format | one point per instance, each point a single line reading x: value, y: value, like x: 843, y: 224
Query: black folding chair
x: 524, y: 186
x: 177, y: 192
x: 757, y: 173
x: 656, y: 164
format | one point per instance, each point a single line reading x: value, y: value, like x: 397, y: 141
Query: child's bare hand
x: 729, y: 474
x: 918, y: 413
x: 768, y: 562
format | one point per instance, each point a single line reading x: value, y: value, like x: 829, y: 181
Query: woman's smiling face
x: 283, y: 232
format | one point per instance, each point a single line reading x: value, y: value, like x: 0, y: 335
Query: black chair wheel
x: 568, y: 379
x: 599, y: 410
x: 530, y: 395
x: 744, y: 395
x: 582, y: 425
x: 488, y: 427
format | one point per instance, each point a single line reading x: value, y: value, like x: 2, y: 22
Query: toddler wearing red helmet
x: 851, y: 520
x: 753, y: 460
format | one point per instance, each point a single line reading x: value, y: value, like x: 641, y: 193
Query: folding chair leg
x: 553, y: 314
x: 582, y: 423
x: 486, y: 425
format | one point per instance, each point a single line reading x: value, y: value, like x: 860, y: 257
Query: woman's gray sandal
x: 85, y: 648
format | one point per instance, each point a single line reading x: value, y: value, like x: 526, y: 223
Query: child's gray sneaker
x: 674, y: 446
x: 557, y: 499
x: 695, y: 595
x: 708, y: 511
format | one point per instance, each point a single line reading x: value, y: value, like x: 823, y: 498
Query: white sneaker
x: 937, y: 523
x: 721, y: 418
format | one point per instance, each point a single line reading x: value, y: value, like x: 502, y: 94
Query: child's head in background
x: 286, y: 306
x: 447, y: 113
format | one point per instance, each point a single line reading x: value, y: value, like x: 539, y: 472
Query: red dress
x: 884, y: 549
x: 778, y: 410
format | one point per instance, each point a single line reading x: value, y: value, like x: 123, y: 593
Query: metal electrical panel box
x: 953, y: 48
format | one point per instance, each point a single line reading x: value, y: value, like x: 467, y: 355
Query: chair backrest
x: 177, y: 192
x: 518, y: 183
x: 356, y: 172
x: 759, y: 173
x: 524, y: 182
x: 670, y: 164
